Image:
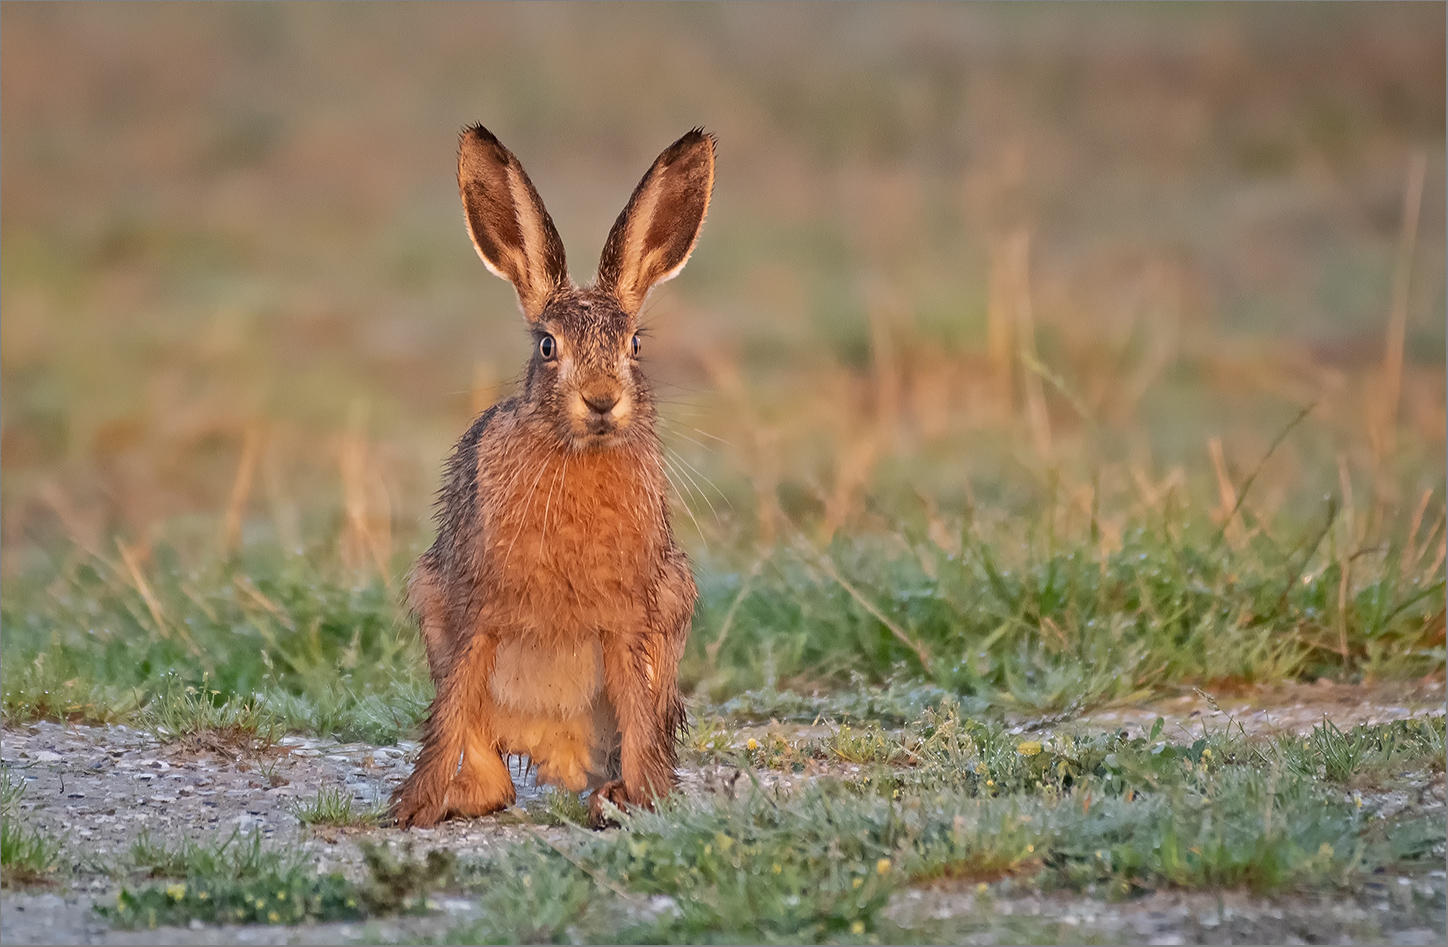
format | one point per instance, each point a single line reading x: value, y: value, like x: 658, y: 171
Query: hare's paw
x: 612, y: 792
x: 413, y: 806
x: 475, y: 794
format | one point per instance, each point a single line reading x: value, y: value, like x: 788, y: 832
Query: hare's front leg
x: 457, y: 730
x: 641, y: 680
x: 633, y: 676
x: 483, y: 784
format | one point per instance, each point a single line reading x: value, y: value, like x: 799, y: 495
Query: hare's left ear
x: 653, y: 237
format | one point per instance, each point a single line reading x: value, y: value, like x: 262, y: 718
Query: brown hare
x: 555, y: 603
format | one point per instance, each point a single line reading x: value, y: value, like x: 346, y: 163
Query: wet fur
x: 555, y: 603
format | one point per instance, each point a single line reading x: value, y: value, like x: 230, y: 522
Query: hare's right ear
x: 653, y: 237
x: 509, y: 225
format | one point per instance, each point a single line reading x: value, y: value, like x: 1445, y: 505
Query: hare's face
x: 584, y: 376
x: 584, y: 381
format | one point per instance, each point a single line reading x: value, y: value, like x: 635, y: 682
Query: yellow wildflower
x: 1029, y: 747
x: 883, y: 866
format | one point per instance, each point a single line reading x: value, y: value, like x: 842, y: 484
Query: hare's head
x: 584, y: 379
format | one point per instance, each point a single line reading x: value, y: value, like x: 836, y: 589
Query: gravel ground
x: 99, y: 788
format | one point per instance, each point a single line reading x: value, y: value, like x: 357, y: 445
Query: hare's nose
x: 601, y: 402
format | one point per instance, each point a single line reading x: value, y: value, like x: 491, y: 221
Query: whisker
x: 523, y: 521
x: 685, y: 495
x: 680, y: 458
x: 714, y: 436
x: 680, y: 467
x: 685, y: 504
x: 713, y: 450
x: 549, y: 504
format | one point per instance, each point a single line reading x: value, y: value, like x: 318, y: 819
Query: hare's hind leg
x: 429, y: 606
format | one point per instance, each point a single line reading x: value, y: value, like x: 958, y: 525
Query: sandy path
x: 99, y: 788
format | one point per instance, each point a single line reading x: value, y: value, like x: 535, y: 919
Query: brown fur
x: 555, y: 603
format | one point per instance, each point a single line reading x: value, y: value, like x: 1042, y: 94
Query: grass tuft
x: 199, y: 714
x: 27, y: 856
x: 338, y: 808
x: 236, y: 857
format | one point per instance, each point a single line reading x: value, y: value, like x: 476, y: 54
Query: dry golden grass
x: 1075, y: 267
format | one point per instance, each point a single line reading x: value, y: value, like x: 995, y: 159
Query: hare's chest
x: 572, y: 553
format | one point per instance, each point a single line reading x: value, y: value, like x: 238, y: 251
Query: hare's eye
x: 634, y: 345
x: 547, y: 348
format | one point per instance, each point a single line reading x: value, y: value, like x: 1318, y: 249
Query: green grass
x: 1099, y: 815
x: 185, y: 711
x: 235, y: 857
x: 288, y: 896
x: 1023, y: 619
x: 27, y: 856
x: 238, y: 881
x: 1105, y: 816
x: 271, y: 644
x: 870, y: 628
x: 338, y: 808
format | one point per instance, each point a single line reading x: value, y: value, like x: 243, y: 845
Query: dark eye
x: 634, y: 345
x: 547, y: 348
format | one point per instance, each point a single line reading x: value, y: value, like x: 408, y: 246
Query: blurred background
x: 963, y: 259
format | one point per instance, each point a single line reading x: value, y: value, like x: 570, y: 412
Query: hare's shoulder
x: 457, y: 497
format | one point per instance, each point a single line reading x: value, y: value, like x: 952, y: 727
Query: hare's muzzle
x: 600, y: 410
x: 601, y: 403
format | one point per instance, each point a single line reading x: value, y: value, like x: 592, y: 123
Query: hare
x: 555, y: 603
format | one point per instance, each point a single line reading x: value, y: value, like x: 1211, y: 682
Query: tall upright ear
x: 653, y: 237
x: 509, y: 225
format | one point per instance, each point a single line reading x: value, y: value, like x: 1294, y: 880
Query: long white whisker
x: 685, y: 505
x: 549, y: 504
x: 683, y: 464
x: 692, y: 488
x: 680, y: 458
x: 523, y: 521
x: 714, y: 436
x: 657, y: 501
x: 674, y: 431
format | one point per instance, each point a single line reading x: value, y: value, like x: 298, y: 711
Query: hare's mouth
x: 598, y: 442
x: 597, y: 434
x: 599, y: 423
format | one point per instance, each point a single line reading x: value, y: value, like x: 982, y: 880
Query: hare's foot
x: 482, y: 787
x: 613, y: 792
x: 563, y: 756
x: 418, y: 802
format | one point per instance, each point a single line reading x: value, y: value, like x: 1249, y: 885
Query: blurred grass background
x: 996, y: 314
